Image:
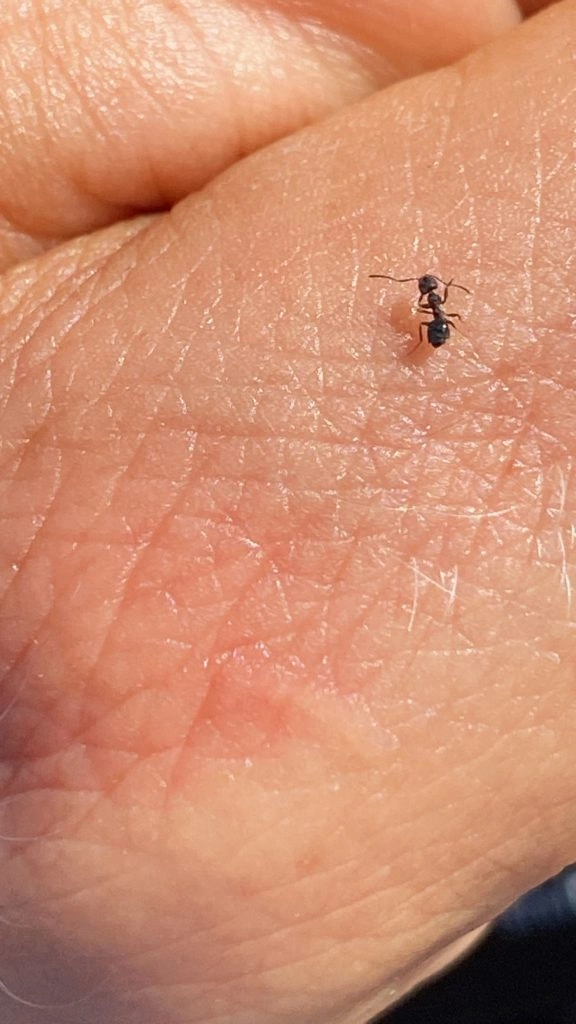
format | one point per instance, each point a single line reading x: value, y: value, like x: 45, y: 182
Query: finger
x: 110, y: 112
x: 288, y: 628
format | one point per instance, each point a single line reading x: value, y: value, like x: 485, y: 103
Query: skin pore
x: 288, y: 635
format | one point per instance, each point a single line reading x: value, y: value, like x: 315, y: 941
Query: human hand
x: 287, y: 622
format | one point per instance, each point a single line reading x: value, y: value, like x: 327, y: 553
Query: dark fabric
x: 524, y: 972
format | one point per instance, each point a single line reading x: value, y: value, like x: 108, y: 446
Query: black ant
x: 430, y: 302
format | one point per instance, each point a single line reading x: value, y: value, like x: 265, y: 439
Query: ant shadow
x: 404, y: 319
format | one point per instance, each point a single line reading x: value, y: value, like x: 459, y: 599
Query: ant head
x: 427, y: 284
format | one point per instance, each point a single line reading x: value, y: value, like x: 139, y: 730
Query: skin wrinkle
x: 30, y: 644
x: 27, y: 560
x: 23, y: 545
x: 263, y: 930
x: 173, y: 947
x: 115, y: 608
x: 233, y: 975
x: 52, y: 315
x: 67, y: 773
x: 25, y: 291
x: 72, y: 823
x: 37, y: 536
x: 52, y: 904
x: 69, y: 898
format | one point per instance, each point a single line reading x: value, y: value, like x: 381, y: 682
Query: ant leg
x: 457, y: 315
x: 452, y: 324
x: 422, y: 324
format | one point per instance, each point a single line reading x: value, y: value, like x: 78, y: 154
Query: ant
x: 430, y: 302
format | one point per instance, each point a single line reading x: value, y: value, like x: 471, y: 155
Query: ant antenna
x: 401, y: 280
x: 452, y: 284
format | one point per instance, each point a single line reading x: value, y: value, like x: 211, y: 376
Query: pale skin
x: 288, y: 624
